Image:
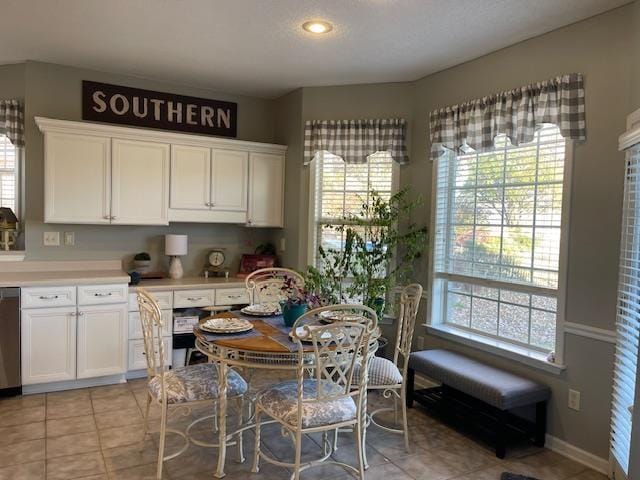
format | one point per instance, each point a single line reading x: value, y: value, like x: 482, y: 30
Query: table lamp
x: 175, y: 246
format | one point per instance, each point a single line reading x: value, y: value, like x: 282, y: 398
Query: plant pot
x: 378, y: 306
x: 291, y: 312
x: 142, y: 266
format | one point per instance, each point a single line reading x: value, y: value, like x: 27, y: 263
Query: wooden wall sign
x: 102, y: 102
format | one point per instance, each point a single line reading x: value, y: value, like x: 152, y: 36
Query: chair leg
x: 296, y: 462
x: 145, y: 426
x: 240, y: 422
x: 405, y: 423
x: 163, y: 433
x: 411, y: 380
x: 360, y: 446
x: 256, y: 451
x: 363, y: 426
x: 335, y: 439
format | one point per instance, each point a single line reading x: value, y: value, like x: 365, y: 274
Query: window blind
x: 628, y: 317
x: 8, y: 173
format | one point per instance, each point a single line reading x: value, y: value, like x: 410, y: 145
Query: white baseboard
x: 577, y: 454
x: 72, y: 384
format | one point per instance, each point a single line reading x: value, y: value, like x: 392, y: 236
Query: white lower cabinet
x: 74, y: 342
x: 48, y: 345
x: 102, y: 339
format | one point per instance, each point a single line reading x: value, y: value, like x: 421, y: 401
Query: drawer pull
x: 49, y: 297
x: 194, y: 299
x: 235, y: 296
x: 102, y: 294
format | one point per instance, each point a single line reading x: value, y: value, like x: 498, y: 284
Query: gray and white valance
x: 12, y: 121
x: 516, y: 113
x: 355, y: 140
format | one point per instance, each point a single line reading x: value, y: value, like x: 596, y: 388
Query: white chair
x: 181, y: 387
x: 265, y: 285
x: 390, y: 375
x: 323, y: 397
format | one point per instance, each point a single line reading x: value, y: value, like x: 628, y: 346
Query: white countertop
x: 188, y: 283
x: 71, y: 277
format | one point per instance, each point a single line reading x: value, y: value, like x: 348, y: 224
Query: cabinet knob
x: 112, y: 217
x: 48, y: 297
x: 249, y: 222
x: 102, y: 294
x: 106, y: 217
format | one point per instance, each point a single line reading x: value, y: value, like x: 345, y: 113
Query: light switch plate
x: 51, y: 239
x: 574, y: 400
x: 69, y: 238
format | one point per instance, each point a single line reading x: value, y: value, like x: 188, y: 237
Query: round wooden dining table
x: 266, y: 346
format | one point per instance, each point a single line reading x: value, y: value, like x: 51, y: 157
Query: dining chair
x: 181, y: 387
x: 323, y: 397
x: 389, y: 375
x: 265, y: 285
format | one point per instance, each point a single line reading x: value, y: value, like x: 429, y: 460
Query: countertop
x: 71, y: 277
x: 188, y: 283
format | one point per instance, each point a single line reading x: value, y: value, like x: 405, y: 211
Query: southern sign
x: 102, y: 102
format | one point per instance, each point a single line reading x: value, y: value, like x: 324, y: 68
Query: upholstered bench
x: 474, y: 391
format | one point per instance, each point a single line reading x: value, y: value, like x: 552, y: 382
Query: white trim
x: 632, y: 136
x: 12, y: 256
x: 601, y: 334
x: 531, y: 358
x: 129, y: 133
x: 73, y: 384
x: 579, y: 455
x: 633, y: 119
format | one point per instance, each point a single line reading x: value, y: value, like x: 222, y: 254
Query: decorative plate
x: 262, y: 309
x: 226, y: 325
x: 330, y: 316
x: 300, y: 332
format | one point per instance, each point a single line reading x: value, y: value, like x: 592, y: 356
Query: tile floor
x: 95, y: 434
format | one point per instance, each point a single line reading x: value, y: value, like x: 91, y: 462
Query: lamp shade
x: 175, y: 244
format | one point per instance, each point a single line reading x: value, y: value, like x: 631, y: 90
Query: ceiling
x: 257, y: 47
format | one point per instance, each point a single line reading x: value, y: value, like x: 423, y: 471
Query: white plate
x: 300, y: 332
x: 262, y: 309
x: 329, y: 316
x: 226, y: 325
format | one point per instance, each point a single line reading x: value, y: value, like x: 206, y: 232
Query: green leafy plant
x: 142, y: 256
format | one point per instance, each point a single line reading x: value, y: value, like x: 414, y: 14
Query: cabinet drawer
x: 164, y: 299
x: 101, y: 294
x: 137, y: 356
x: 232, y: 296
x: 38, y: 297
x: 135, y: 327
x: 193, y: 298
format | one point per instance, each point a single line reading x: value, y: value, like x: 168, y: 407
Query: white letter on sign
x: 98, y: 98
x: 224, y: 116
x: 191, y: 113
x: 114, y: 106
x: 206, y: 116
x: 156, y: 107
x: 136, y: 107
x: 177, y: 111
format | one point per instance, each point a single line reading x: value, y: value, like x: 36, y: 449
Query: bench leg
x: 501, y: 434
x: 411, y: 380
x: 541, y: 424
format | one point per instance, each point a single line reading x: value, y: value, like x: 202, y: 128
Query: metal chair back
x: 151, y: 321
x: 409, y: 303
x: 265, y: 285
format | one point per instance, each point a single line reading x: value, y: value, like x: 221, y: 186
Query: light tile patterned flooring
x: 95, y: 434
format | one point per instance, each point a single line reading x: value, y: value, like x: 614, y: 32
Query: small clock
x: 216, y: 258
x: 216, y: 266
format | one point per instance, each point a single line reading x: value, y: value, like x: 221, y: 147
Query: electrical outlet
x: 51, y: 239
x: 420, y: 343
x: 574, y: 400
x: 283, y: 244
x: 69, y: 238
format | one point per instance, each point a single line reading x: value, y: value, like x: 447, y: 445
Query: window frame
x: 17, y: 171
x: 312, y: 232
x: 435, y: 313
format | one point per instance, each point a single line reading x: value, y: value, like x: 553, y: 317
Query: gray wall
x: 599, y: 48
x: 635, y: 56
x: 55, y: 91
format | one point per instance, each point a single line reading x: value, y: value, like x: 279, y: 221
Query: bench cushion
x: 496, y: 387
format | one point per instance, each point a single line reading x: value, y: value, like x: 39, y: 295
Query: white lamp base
x: 175, y: 268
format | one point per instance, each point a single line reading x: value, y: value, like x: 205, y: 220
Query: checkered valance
x: 516, y: 113
x: 12, y: 122
x: 355, y: 140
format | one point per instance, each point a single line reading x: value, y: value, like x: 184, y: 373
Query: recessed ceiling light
x: 317, y: 26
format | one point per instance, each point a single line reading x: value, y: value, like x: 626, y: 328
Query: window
x: 628, y: 318
x: 8, y: 174
x: 498, y: 224
x: 341, y: 189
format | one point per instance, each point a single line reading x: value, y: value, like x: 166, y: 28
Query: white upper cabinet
x: 77, y: 182
x: 266, y: 190
x: 140, y: 183
x: 190, y: 177
x: 229, y: 180
x: 97, y: 173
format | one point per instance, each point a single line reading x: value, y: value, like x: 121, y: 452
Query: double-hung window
x: 8, y: 174
x: 498, y: 225
x: 340, y: 190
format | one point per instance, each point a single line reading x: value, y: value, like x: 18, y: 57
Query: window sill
x: 523, y: 355
x: 12, y: 255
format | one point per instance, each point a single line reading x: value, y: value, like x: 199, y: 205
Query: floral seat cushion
x: 196, y: 382
x: 382, y: 372
x: 281, y: 401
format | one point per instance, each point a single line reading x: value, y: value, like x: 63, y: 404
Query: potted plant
x: 142, y: 262
x: 298, y: 300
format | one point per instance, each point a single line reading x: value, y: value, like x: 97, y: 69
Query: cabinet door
x: 77, y: 178
x: 190, y: 177
x: 102, y: 340
x: 266, y: 190
x: 229, y: 180
x: 48, y: 343
x: 140, y: 183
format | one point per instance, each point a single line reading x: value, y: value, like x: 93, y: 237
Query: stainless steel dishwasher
x: 10, y: 342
